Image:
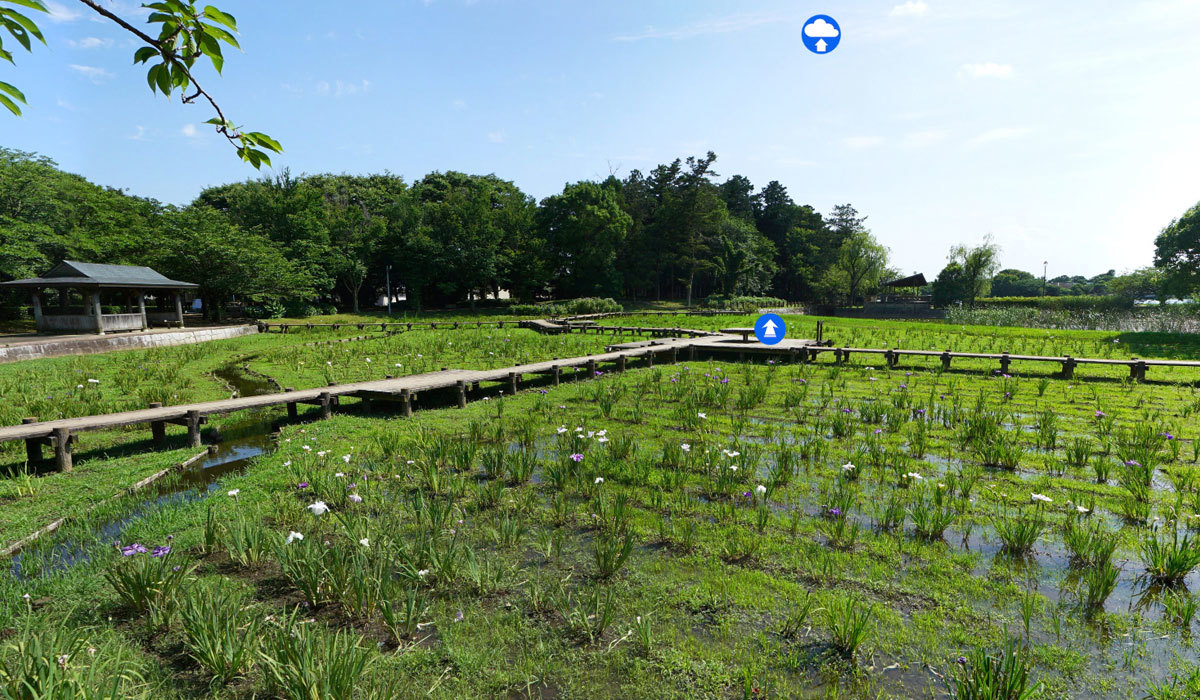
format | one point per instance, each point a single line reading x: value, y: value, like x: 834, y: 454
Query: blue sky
x: 1068, y: 131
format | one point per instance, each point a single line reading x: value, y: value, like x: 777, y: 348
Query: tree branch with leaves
x: 186, y: 35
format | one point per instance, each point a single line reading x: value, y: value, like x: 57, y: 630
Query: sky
x: 1066, y: 131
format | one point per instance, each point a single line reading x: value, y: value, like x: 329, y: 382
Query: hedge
x: 1063, y: 303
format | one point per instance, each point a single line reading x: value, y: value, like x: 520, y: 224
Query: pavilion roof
x: 70, y: 273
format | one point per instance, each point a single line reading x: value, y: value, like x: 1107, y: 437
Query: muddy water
x: 233, y: 447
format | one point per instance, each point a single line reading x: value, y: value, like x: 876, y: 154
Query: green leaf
x: 17, y: 31
x: 161, y: 17
x: 26, y: 23
x: 265, y: 141
x: 217, y: 121
x: 163, y: 78
x: 33, y: 4
x: 144, y: 54
x: 152, y: 76
x: 12, y: 107
x: 222, y: 35
x: 12, y: 90
x: 218, y: 16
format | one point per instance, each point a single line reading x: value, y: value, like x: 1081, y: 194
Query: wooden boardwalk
x: 668, y: 342
x: 60, y: 434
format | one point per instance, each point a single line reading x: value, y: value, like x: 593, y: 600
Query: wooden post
x: 557, y: 372
x: 513, y: 379
x: 158, y: 429
x: 692, y: 353
x: 946, y: 360
x: 141, y: 298
x: 33, y: 446
x: 62, y: 449
x: 37, y: 309
x: 97, y: 312
x: 291, y: 405
x: 461, y: 387
x: 621, y: 363
x: 650, y: 358
x: 326, y: 404
x: 406, y: 403
x: 674, y: 355
x: 178, y: 308
x: 1004, y: 363
x: 1068, y: 368
x: 193, y: 428
x: 591, y: 365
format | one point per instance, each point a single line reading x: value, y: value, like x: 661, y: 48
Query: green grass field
x: 705, y: 529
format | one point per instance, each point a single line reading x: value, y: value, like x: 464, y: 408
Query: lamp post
x: 388, y: 275
x: 1044, y: 264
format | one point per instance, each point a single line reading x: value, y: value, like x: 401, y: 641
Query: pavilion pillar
x: 37, y: 308
x: 97, y: 312
x: 179, y: 308
x: 141, y: 297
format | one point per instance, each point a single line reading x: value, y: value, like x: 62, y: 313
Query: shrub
x: 568, y: 307
x: 742, y: 303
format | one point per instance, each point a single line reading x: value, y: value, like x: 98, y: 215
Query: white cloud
x: 922, y: 139
x: 459, y: 103
x: 861, y: 142
x: 90, y: 42
x: 63, y: 104
x: 140, y: 134
x: 1003, y: 133
x: 60, y: 12
x: 820, y: 28
x: 725, y: 25
x: 496, y: 136
x: 93, y: 73
x: 190, y: 131
x: 342, y: 89
x: 912, y: 8
x: 985, y: 70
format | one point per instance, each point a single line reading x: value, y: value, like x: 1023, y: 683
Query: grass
x: 495, y: 563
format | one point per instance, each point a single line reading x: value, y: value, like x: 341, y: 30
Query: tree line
x: 675, y: 232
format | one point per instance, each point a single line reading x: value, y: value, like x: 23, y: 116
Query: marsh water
x: 231, y: 450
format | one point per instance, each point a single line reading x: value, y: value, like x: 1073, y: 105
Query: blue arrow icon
x: 770, y: 329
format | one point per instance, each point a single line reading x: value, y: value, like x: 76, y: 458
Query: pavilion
x: 80, y: 291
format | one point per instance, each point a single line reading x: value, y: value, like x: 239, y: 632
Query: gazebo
x: 80, y: 291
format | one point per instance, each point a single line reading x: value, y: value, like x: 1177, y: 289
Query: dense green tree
x: 979, y: 264
x: 738, y: 194
x: 744, y: 262
x: 1177, y: 253
x: 1016, y: 283
x: 1143, y: 283
x: 860, y: 264
x: 950, y: 287
x: 584, y: 229
x: 200, y: 245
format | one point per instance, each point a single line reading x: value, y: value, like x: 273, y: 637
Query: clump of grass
x: 1168, y: 560
x: 849, y: 619
x: 302, y: 661
x: 1018, y: 534
x: 220, y: 631
x: 931, y: 513
x: 53, y: 659
x: 1098, y: 583
x: 403, y: 616
x: 1090, y: 546
x: 149, y: 583
x: 1003, y: 676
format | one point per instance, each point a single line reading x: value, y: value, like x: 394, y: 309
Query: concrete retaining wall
x: 108, y: 343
